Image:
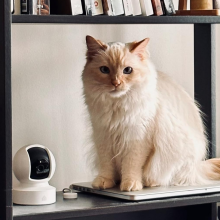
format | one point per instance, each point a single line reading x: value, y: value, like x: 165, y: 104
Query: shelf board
x: 96, y: 205
x: 103, y: 19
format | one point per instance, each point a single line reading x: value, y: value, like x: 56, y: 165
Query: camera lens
x: 40, y: 163
x: 40, y: 168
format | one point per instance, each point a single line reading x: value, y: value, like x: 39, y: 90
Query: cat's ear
x: 139, y: 48
x: 94, y: 46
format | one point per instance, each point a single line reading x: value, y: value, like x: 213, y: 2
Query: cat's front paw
x: 102, y: 183
x: 131, y: 185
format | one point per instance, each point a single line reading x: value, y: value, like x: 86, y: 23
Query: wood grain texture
x: 214, y: 12
x: 182, y: 5
x: 201, y: 4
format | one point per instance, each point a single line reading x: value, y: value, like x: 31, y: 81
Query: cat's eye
x: 127, y: 70
x: 104, y: 69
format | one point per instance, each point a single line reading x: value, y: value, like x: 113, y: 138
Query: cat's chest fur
x: 125, y: 119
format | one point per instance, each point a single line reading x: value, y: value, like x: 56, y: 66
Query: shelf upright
x: 5, y: 111
x: 205, y: 78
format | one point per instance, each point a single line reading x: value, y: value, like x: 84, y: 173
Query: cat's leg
x: 107, y: 175
x: 132, y: 167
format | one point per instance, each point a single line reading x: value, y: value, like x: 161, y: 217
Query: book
x: 157, y: 8
x: 93, y: 7
x: 136, y: 7
x: 163, y: 7
x: 168, y: 7
x: 146, y: 7
x: 25, y: 6
x: 107, y: 7
x: 17, y: 7
x: 182, y: 5
x: 12, y: 7
x: 216, y: 4
x: 128, y: 7
x: 66, y: 7
x: 117, y: 7
x: 76, y: 7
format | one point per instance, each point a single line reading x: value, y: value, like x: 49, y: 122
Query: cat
x: 147, y: 131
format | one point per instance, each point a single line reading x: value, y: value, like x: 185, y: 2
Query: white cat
x: 147, y: 131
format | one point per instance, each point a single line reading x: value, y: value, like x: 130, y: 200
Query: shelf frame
x: 205, y: 79
x: 104, y: 19
x: 97, y: 207
x: 5, y: 111
x: 204, y: 71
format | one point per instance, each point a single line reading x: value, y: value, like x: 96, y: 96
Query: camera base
x: 39, y: 194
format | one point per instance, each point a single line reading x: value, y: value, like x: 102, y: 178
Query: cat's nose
x: 116, y: 83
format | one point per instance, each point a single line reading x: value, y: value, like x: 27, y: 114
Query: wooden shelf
x: 95, y: 205
x: 102, y: 19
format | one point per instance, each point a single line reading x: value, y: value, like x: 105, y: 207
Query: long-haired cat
x: 147, y: 131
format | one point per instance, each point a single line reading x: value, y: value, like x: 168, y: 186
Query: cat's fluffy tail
x: 211, y: 168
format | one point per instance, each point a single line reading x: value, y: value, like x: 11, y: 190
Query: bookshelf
x: 97, y: 207
x: 104, y: 19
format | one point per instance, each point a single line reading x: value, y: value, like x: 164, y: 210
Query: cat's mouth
x: 116, y: 92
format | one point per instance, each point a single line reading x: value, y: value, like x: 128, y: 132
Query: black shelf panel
x: 94, y: 205
x: 103, y: 19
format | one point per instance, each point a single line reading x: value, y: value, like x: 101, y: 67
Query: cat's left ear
x: 94, y: 46
x: 139, y: 48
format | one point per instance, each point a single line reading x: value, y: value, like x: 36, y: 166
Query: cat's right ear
x: 139, y: 48
x: 94, y: 46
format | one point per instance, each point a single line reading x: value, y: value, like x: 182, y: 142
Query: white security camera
x: 34, y: 166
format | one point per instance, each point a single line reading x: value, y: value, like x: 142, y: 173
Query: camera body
x: 34, y: 166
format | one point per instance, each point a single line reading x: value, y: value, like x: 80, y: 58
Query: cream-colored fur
x: 147, y: 130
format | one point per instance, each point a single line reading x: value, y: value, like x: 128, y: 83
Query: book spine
x: 163, y: 7
x: 97, y: 8
x: 128, y: 7
x: 182, y: 5
x: 83, y: 6
x: 30, y: 7
x: 149, y: 8
x: 157, y: 8
x: 17, y: 8
x: 117, y: 6
x: 88, y: 6
x: 107, y: 7
x: 136, y: 7
x: 12, y: 7
x: 216, y: 4
x: 76, y: 7
x: 24, y: 7
x: 168, y: 7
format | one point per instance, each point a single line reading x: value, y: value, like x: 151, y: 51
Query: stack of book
x: 107, y: 7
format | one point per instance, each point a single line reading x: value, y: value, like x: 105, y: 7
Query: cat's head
x: 114, y: 68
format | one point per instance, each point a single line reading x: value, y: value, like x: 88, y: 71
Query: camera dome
x: 34, y: 166
x: 34, y: 163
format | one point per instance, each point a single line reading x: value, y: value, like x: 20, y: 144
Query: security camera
x: 34, y: 166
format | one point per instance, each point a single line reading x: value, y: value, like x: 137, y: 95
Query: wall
x: 47, y: 61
